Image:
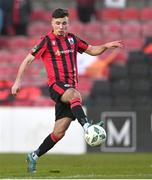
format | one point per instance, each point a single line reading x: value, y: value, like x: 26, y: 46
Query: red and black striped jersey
x: 59, y: 54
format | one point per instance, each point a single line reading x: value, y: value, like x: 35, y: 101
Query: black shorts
x: 61, y: 109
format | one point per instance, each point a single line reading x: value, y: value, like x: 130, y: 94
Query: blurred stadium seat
x: 122, y: 101
x: 138, y: 70
x: 108, y: 14
x: 140, y: 86
x: 141, y: 101
x: 18, y: 42
x: 40, y: 15
x: 93, y: 34
x: 111, y: 28
x: 73, y: 14
x: 94, y: 29
x: 102, y: 101
x: 38, y: 28
x: 76, y: 27
x: 136, y: 57
x: 3, y: 42
x: 29, y: 93
x: 121, y: 87
x: 101, y: 88
x: 146, y: 29
x: 146, y: 14
x: 131, y: 29
x: 130, y: 14
x: 133, y: 43
x: 118, y: 72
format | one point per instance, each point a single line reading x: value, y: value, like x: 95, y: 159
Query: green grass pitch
x: 88, y: 166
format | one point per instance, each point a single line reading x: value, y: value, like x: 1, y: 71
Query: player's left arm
x: 97, y: 50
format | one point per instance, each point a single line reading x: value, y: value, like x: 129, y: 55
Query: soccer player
x: 58, y: 50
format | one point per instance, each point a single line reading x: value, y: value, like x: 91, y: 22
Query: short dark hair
x: 60, y: 13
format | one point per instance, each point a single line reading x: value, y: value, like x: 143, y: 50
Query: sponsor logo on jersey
x: 58, y: 53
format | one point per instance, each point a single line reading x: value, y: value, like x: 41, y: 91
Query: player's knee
x: 74, y: 94
x: 71, y: 94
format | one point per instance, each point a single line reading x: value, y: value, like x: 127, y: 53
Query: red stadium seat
x: 133, y: 43
x: 32, y: 41
x: 108, y: 14
x: 5, y: 84
x: 147, y: 28
x: 18, y: 42
x: 4, y: 41
x: 38, y: 28
x: 4, y: 94
x: 111, y: 28
x: 146, y: 14
x: 4, y: 56
x: 131, y: 29
x: 29, y: 93
x: 92, y: 32
x: 18, y: 55
x: 111, y: 37
x: 73, y: 14
x: 40, y: 15
x: 130, y: 14
x: 76, y: 27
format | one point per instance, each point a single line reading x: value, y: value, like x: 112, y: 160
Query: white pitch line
x: 85, y: 176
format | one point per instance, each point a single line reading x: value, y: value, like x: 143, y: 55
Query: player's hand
x: 15, y: 88
x: 114, y: 44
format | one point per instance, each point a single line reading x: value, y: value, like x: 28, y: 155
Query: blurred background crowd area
x: 120, y: 77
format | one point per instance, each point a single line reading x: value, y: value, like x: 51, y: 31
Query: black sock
x: 47, y: 144
x: 78, y: 112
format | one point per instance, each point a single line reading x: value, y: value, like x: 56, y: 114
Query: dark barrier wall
x: 128, y: 130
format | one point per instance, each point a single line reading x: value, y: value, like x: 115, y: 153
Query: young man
x: 58, y: 50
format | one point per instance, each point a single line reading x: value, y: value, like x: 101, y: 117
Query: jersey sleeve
x: 39, y: 48
x: 82, y: 45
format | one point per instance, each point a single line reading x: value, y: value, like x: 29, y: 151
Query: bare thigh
x: 70, y: 94
x: 61, y: 125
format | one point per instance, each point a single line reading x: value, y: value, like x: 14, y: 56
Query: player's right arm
x: 35, y: 53
x: 17, y: 84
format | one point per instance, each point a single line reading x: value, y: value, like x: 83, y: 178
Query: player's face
x: 60, y: 26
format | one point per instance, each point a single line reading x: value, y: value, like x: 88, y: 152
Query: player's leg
x: 73, y: 97
x: 61, y: 125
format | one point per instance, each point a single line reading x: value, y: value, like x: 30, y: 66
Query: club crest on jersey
x: 71, y: 40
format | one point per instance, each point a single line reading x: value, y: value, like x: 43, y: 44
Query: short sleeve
x: 39, y: 48
x: 82, y: 45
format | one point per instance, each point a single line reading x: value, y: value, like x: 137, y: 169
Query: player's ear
x: 52, y: 21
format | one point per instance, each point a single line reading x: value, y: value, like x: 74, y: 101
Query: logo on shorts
x: 66, y: 85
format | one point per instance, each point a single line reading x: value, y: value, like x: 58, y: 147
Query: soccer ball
x: 95, y: 135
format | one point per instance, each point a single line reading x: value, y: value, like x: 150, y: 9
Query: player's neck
x: 57, y: 35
